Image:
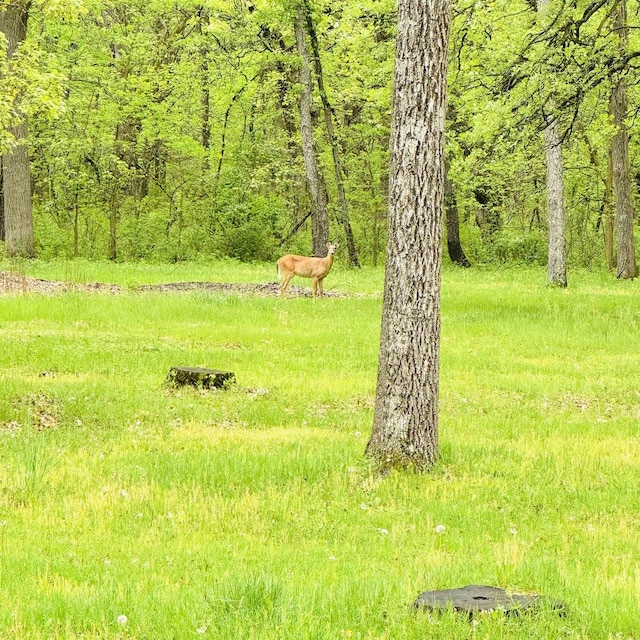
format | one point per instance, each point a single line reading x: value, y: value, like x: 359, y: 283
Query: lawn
x: 131, y: 510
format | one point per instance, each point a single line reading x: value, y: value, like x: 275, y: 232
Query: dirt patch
x: 265, y: 289
x: 15, y: 283
x: 19, y: 283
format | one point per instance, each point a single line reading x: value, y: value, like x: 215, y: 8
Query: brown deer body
x: 314, y: 268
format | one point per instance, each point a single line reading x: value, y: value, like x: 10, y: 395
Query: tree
x: 176, y: 124
x: 1, y: 207
x: 556, y: 259
x: 16, y: 176
x: 328, y: 119
x: 405, y: 427
x: 626, y: 261
x: 454, y: 246
x: 315, y: 181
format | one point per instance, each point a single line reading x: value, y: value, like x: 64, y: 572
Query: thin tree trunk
x: 375, y: 240
x: 317, y: 189
x: 608, y: 215
x: 378, y: 213
x: 328, y: 119
x: 203, y: 23
x: 76, y: 231
x: 206, y: 113
x: 626, y: 261
x: 223, y: 140
x: 113, y: 228
x: 284, y: 86
x: 296, y: 228
x: 454, y: 246
x: 16, y: 174
x: 405, y: 426
x: 557, y: 261
x: 1, y: 205
x: 127, y: 132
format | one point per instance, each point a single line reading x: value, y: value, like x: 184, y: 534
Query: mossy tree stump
x: 477, y: 598
x: 200, y: 378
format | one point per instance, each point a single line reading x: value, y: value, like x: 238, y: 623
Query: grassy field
x: 129, y: 510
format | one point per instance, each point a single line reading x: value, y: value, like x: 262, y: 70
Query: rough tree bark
x: 328, y: 119
x: 626, y: 261
x: 557, y: 256
x: 405, y: 426
x: 16, y: 174
x: 315, y: 183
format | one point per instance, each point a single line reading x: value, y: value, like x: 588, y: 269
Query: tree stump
x: 199, y: 377
x: 475, y: 598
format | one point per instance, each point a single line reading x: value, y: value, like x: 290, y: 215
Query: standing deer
x: 314, y: 268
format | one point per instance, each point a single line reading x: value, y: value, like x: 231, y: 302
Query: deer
x: 314, y: 268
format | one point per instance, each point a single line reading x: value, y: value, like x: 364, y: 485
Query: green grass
x: 365, y: 280
x: 252, y: 513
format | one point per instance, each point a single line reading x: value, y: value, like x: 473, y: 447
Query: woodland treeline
x: 174, y: 129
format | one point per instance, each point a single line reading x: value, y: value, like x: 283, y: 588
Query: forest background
x: 170, y: 130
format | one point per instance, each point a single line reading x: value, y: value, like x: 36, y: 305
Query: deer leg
x: 321, y: 287
x: 315, y: 288
x: 285, y: 283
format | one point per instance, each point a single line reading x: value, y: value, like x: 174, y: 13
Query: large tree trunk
x: 16, y: 175
x: 405, y: 426
x: 328, y: 118
x: 626, y: 262
x: 556, y: 259
x: 315, y: 183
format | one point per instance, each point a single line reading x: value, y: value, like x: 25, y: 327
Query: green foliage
x: 142, y: 83
x: 508, y: 65
x: 509, y: 247
x: 176, y: 123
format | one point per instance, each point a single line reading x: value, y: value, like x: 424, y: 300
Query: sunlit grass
x: 252, y: 513
x: 134, y: 274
